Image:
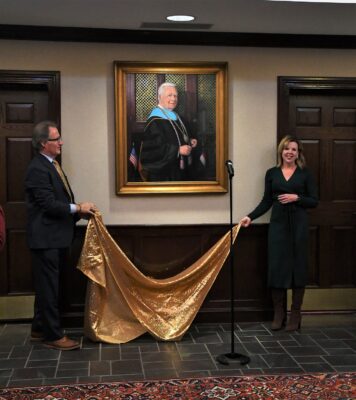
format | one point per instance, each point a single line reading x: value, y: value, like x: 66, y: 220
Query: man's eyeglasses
x: 57, y: 139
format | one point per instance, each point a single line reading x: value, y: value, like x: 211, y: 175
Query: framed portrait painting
x: 171, y: 127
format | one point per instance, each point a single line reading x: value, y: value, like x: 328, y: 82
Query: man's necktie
x: 64, y: 179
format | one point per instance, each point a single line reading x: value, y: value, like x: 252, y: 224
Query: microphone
x: 230, y: 168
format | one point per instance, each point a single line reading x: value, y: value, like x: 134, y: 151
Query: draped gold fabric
x: 122, y: 303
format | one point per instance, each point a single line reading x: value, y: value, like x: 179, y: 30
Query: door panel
x: 313, y: 259
x: 321, y: 112
x: 19, y: 154
x: 344, y: 164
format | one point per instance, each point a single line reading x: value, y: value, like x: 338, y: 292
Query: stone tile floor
x: 324, y: 344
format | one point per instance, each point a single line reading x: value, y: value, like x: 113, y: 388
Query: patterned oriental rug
x: 269, y: 387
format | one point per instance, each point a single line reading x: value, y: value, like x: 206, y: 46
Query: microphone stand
x: 223, y: 358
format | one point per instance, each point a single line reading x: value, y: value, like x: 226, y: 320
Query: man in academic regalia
x: 166, y: 152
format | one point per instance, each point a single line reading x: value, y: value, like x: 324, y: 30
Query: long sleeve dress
x: 288, y: 228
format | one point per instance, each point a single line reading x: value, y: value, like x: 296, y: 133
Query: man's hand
x: 185, y: 150
x: 86, y: 209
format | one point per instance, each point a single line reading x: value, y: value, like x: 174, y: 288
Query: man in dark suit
x: 52, y: 213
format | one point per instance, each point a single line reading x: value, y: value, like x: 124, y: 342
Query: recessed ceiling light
x: 181, y: 18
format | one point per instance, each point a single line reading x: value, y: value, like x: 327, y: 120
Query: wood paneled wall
x: 162, y: 251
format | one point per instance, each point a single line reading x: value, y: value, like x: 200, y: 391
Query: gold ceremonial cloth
x: 122, y: 303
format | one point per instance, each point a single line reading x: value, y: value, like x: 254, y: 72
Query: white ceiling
x: 259, y: 16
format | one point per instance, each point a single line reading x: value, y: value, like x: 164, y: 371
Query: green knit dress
x: 288, y: 228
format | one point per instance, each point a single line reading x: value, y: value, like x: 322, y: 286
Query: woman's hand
x: 288, y: 198
x: 245, y: 222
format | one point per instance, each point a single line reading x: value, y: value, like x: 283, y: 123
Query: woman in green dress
x: 289, y: 189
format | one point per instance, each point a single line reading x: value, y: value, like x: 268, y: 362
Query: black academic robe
x: 159, y: 153
x: 288, y: 228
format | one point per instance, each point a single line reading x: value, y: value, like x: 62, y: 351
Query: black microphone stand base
x: 223, y: 358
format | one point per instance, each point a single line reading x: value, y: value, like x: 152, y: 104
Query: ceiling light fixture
x: 180, y: 18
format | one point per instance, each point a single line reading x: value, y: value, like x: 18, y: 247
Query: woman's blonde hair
x: 282, y: 145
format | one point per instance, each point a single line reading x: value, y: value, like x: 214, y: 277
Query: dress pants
x: 47, y: 265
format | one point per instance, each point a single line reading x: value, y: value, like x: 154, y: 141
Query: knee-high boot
x: 279, y: 307
x: 295, y: 318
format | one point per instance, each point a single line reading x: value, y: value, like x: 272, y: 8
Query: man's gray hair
x: 163, y: 87
x: 41, y: 134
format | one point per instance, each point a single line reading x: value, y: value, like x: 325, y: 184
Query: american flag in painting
x: 133, y: 157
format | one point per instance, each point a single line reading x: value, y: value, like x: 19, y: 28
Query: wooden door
x: 25, y: 99
x: 321, y: 112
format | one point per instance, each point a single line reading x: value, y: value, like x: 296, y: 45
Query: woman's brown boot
x: 295, y: 318
x: 279, y: 307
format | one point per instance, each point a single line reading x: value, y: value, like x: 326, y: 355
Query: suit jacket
x: 50, y: 223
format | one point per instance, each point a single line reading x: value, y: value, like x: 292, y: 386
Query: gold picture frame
x: 202, y: 101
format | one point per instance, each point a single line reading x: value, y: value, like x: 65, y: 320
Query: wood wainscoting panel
x: 163, y: 251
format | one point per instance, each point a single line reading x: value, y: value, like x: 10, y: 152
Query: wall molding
x: 179, y: 37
